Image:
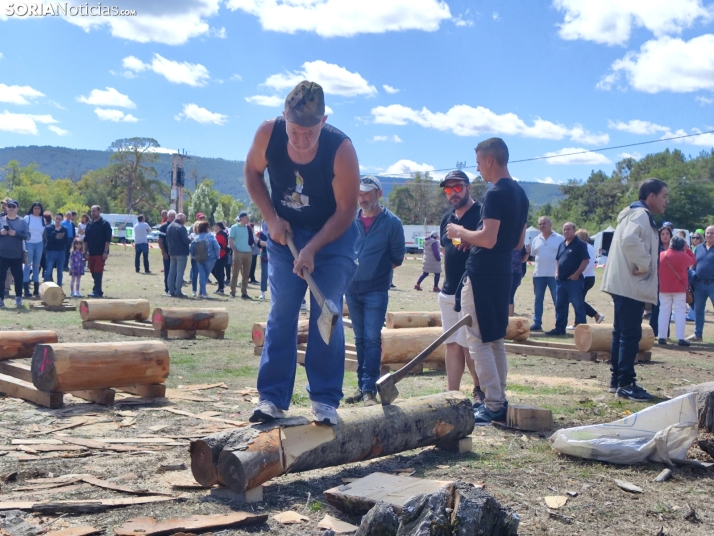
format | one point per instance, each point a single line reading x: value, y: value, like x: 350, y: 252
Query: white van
x: 122, y: 226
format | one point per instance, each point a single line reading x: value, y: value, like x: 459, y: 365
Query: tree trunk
x: 76, y: 367
x: 414, y: 319
x: 402, y: 345
x: 19, y: 344
x: 189, y: 318
x: 51, y: 294
x: 114, y: 310
x: 255, y: 454
x: 598, y: 337
x: 259, y: 332
x: 705, y: 403
x: 519, y: 329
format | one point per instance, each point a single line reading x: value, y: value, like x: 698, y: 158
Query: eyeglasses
x: 12, y: 207
x: 696, y: 238
x: 458, y: 188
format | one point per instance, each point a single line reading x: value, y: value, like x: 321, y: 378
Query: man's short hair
x: 546, y: 218
x: 140, y: 217
x: 651, y: 186
x: 495, y: 148
x: 569, y: 223
x: 171, y: 213
x: 97, y: 207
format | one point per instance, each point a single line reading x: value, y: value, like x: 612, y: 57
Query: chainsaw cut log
x: 413, y: 319
x: 258, y: 333
x: 19, y: 344
x: 598, y: 337
x: 255, y: 454
x: 402, y: 345
x: 519, y: 329
x: 76, y: 367
x: 51, y: 294
x: 114, y: 310
x: 185, y: 318
x: 529, y: 418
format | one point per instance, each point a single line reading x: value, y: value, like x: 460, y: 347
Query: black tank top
x: 302, y: 193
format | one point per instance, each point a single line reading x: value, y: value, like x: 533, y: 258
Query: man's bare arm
x: 485, y: 237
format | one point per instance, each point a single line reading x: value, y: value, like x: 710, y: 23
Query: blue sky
x: 415, y: 83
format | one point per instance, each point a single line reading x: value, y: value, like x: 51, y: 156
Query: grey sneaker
x: 266, y: 411
x: 18, y: 301
x: 370, y: 399
x: 694, y: 338
x: 324, y: 413
x: 356, y: 397
x: 634, y: 392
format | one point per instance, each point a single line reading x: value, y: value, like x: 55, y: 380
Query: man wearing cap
x: 697, y: 240
x: 314, y: 185
x: 379, y: 249
x: 704, y: 281
x: 241, y: 241
x: 467, y: 213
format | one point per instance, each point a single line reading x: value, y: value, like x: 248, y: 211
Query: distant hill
x: 64, y: 163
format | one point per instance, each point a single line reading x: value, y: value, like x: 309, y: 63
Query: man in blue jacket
x: 379, y: 248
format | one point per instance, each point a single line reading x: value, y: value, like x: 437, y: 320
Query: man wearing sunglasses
x: 467, y: 213
x: 697, y: 238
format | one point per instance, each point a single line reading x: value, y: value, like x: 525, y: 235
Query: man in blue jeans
x: 379, y: 248
x: 543, y: 248
x: 572, y: 258
x: 704, y: 283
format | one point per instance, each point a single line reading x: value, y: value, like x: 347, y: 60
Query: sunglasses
x: 696, y: 238
x: 458, y: 188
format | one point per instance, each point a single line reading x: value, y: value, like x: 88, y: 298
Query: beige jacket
x: 635, y: 245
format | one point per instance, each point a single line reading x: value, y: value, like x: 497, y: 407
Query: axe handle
x: 402, y: 372
x: 319, y: 296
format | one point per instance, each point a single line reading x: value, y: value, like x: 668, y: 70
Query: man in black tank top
x: 314, y: 180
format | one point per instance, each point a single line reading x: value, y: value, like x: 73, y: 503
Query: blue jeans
x: 324, y: 363
x: 367, y: 312
x: 34, y: 257
x: 204, y: 270
x: 702, y: 291
x: 539, y: 286
x: 167, y: 269
x: 626, y: 335
x: 141, y: 249
x: 263, y: 276
x: 178, y: 267
x: 568, y: 292
x: 193, y: 274
x: 54, y: 259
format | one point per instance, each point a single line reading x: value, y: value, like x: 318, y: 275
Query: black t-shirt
x: 454, y: 259
x: 96, y: 235
x: 570, y: 256
x: 162, y: 235
x: 506, y: 202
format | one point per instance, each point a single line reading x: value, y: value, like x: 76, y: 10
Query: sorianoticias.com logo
x: 59, y: 9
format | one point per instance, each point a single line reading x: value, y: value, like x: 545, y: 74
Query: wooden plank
x: 26, y: 391
x: 84, y: 530
x: 155, y: 390
x: 557, y: 353
x: 122, y: 328
x: 104, y: 397
x: 148, y: 526
x: 21, y: 371
x: 178, y: 334
x: 70, y: 506
x: 66, y: 306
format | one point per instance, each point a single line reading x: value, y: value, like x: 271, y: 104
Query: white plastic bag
x: 660, y: 433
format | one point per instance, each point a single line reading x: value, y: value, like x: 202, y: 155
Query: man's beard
x: 462, y: 203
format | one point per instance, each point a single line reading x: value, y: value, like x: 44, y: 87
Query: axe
x: 329, y: 314
x: 387, y: 384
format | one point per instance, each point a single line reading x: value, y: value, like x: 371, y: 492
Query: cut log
x: 51, y: 294
x: 255, y: 454
x: 402, y: 345
x: 76, y: 367
x: 189, y: 318
x: 519, y: 328
x: 705, y: 403
x: 114, y: 310
x: 598, y: 337
x: 204, y: 457
x: 148, y: 526
x: 529, y: 418
x: 19, y: 344
x: 413, y: 319
x: 258, y: 333
x: 379, y: 521
x: 475, y: 511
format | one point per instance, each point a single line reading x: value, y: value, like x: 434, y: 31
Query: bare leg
x: 511, y: 307
x: 471, y: 365
x: 454, y: 362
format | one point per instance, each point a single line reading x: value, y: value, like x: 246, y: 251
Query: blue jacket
x: 213, y: 248
x: 377, y: 251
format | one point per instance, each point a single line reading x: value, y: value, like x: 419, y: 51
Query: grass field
x: 518, y: 468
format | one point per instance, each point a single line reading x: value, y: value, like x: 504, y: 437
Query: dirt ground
x: 518, y: 468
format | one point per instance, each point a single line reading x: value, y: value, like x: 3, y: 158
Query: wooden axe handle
x: 319, y: 296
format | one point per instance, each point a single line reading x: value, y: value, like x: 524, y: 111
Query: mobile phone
x: 6, y: 227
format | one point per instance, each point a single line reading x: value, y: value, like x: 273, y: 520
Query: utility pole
x: 178, y: 177
x: 460, y: 165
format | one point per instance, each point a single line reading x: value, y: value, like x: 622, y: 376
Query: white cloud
x: 636, y: 126
x: 666, y: 64
x: 703, y: 101
x: 1, y: 55
x: 611, y: 22
x: 158, y: 21
x: 265, y: 100
x: 161, y: 150
x: 394, y: 138
x: 462, y: 22
x: 117, y: 116
x: 547, y: 180
x: 566, y: 157
x: 201, y: 115
x: 220, y: 33
x: 464, y: 120
x: 345, y: 18
x: 634, y: 155
x: 390, y: 89
x: 23, y: 123
x: 496, y: 16
x: 59, y: 131
x: 405, y: 167
x: 334, y: 79
x: 108, y: 97
x: 176, y: 72
x: 18, y: 94
x: 236, y: 78
x: 705, y: 140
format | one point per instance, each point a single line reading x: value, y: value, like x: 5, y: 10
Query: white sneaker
x: 324, y: 413
x: 599, y: 320
x: 266, y: 411
x: 262, y: 296
x: 193, y: 294
x: 78, y: 295
x: 570, y: 328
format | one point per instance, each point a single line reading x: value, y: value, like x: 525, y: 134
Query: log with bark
x: 705, y: 403
x: 598, y: 337
x: 258, y: 333
x: 75, y: 366
x: 19, y: 344
x: 51, y: 294
x: 253, y: 455
x: 115, y: 310
x: 402, y: 345
x: 413, y: 319
x: 189, y: 318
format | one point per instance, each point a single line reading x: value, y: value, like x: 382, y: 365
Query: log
x: 189, y: 318
x: 51, y: 294
x: 402, y: 345
x: 598, y: 337
x: 114, y: 310
x: 519, y: 329
x: 19, y: 344
x: 529, y: 418
x: 253, y: 455
x: 705, y: 403
x: 258, y: 333
x: 413, y: 319
x: 75, y: 367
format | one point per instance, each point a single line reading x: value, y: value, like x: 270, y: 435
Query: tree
x: 419, y: 201
x: 218, y: 214
x: 134, y: 158
x: 201, y: 200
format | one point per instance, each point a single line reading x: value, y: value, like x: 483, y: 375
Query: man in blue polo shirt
x: 704, y: 287
x: 68, y: 224
x: 573, y: 258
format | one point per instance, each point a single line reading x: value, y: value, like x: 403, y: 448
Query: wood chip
x: 290, y: 518
x: 195, y: 416
x: 108, y: 485
x: 173, y: 467
x: 148, y: 526
x: 84, y: 530
x: 185, y: 481
x: 79, y: 506
x: 442, y: 466
x: 665, y: 475
x: 175, y: 394
x: 627, y: 486
x: 202, y: 386
x: 92, y: 444
x: 555, y: 501
x: 64, y: 479
x: 332, y: 523
x: 59, y: 429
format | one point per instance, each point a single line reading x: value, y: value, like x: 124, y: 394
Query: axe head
x: 329, y: 315
x: 387, y: 389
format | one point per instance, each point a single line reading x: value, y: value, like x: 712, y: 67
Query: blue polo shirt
x: 70, y: 229
x: 570, y: 256
x: 705, y: 262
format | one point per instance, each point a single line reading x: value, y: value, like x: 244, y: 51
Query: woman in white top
x: 83, y: 221
x: 33, y: 246
x: 589, y: 275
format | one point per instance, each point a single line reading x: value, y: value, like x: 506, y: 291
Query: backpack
x: 200, y: 252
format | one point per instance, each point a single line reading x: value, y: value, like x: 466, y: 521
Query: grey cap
x: 369, y: 183
x: 305, y: 105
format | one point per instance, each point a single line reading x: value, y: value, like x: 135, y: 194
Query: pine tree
x: 218, y: 214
